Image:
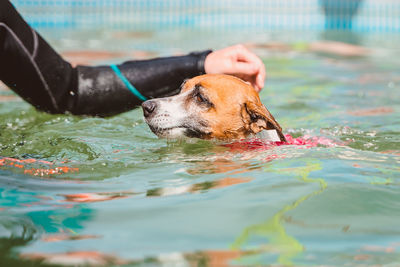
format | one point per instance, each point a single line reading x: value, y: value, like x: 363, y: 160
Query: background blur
x: 163, y: 27
x: 358, y: 15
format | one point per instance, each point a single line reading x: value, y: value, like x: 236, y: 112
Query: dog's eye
x: 200, y: 98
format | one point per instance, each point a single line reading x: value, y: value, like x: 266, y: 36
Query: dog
x: 211, y: 106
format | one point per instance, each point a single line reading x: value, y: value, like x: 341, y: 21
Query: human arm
x: 36, y: 72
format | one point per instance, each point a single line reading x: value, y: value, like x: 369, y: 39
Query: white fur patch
x: 269, y: 135
x: 170, y: 116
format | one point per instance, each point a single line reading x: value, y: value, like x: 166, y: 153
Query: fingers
x: 255, y: 85
x: 246, y: 55
x: 239, y: 61
x: 254, y: 65
x: 245, y: 68
x: 260, y: 80
x: 251, y: 80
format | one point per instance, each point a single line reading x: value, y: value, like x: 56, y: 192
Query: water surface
x: 106, y: 191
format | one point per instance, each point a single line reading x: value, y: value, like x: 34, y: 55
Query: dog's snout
x: 148, y: 107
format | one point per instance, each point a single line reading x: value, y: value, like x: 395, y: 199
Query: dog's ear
x: 257, y: 118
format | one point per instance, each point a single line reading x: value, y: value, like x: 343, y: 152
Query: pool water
x: 107, y: 192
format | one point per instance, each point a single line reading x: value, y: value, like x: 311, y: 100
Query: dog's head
x: 210, y: 106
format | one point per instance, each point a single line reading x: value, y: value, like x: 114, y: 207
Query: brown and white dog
x: 210, y: 106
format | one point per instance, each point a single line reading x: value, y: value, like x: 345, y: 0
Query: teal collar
x: 127, y: 83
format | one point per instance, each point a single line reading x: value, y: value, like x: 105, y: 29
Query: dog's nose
x: 148, y: 107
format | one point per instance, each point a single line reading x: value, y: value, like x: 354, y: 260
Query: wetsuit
x: 32, y: 69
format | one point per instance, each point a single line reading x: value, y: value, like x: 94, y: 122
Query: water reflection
x: 75, y: 258
x: 49, y: 220
x: 35, y: 167
x: 95, y: 197
x: 196, y: 188
x: 279, y: 241
x: 15, y: 232
x: 218, y: 165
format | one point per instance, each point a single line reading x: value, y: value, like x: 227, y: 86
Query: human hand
x: 238, y: 61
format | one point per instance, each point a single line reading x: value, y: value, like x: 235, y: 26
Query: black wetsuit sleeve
x: 102, y: 92
x: 36, y: 72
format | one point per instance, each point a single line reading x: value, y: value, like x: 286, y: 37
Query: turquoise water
x: 107, y: 192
